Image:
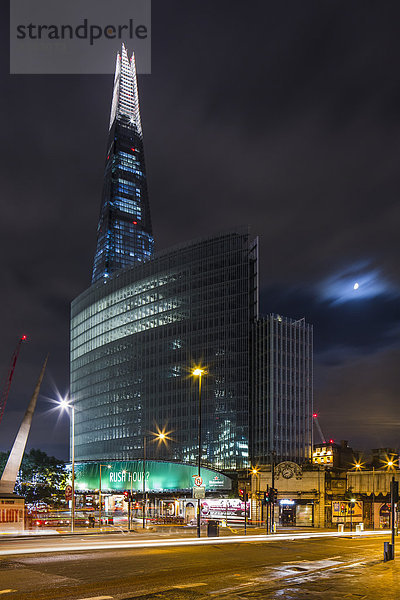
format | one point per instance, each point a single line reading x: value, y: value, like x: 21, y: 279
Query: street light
x: 70, y: 406
x: 198, y: 372
x: 161, y: 436
x: 108, y: 467
x: 255, y: 471
x: 144, y: 482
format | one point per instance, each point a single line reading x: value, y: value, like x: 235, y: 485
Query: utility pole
x: 273, y: 455
x: 245, y: 510
x: 388, y: 549
x: 144, y: 482
x: 394, y: 496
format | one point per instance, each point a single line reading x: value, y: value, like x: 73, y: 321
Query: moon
x: 356, y: 286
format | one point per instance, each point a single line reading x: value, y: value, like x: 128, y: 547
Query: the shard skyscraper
x: 124, y: 235
x: 149, y: 318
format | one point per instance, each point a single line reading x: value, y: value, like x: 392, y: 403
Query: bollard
x: 387, y: 551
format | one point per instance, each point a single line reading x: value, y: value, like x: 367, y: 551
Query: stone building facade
x: 313, y: 496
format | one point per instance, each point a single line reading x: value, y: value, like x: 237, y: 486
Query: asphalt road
x: 329, y: 568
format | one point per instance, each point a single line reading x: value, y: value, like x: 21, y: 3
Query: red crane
x: 7, y: 385
x: 315, y: 417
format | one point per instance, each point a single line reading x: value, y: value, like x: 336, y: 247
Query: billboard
x: 344, y: 512
x: 159, y: 476
x: 224, y: 508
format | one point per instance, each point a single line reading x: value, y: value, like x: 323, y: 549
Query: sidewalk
x: 368, y: 580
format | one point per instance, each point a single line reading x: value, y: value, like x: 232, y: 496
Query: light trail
x: 177, y: 542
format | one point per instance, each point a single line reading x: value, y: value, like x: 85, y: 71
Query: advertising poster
x: 344, y: 512
x: 231, y: 509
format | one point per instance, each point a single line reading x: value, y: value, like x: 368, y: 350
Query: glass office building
x: 281, y: 390
x: 124, y: 235
x: 135, y: 338
x: 148, y: 319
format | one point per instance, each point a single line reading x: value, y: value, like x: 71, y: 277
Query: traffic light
x: 267, y: 497
x: 273, y: 494
x: 127, y: 496
x: 243, y: 495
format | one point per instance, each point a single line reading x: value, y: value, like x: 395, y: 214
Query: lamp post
x: 256, y: 472
x: 373, y: 498
x: 161, y: 436
x: 144, y: 482
x: 64, y: 404
x: 108, y: 467
x: 273, y: 460
x: 198, y: 372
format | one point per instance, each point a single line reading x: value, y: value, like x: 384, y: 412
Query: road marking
x: 231, y: 589
x: 98, y: 598
x: 350, y: 565
x: 7, y: 591
x: 187, y: 585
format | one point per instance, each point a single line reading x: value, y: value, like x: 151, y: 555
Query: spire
x: 125, y: 96
x: 124, y: 234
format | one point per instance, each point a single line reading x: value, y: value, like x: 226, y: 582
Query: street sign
x: 199, y: 492
x: 68, y: 492
x: 197, y: 480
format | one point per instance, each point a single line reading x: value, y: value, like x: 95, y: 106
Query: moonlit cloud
x: 358, y: 282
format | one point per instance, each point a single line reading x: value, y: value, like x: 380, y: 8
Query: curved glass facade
x: 135, y: 338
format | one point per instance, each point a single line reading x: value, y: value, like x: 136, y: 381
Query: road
x: 295, y: 569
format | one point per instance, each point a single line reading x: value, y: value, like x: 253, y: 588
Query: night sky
x: 282, y: 116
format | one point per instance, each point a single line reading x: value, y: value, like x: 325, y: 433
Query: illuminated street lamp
x: 161, y: 436
x: 108, y: 467
x: 70, y: 408
x: 198, y: 372
x: 255, y: 472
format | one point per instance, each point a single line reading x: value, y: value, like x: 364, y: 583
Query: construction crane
x: 6, y: 388
x: 315, y: 417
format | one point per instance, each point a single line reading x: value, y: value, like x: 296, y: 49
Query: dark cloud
x: 340, y: 330
x: 358, y: 400
x: 284, y: 116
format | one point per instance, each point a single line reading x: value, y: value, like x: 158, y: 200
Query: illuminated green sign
x: 159, y: 476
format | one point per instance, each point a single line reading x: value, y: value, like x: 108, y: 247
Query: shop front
x: 300, y: 498
x: 161, y: 492
x: 12, y: 513
x: 296, y: 513
x: 382, y: 515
